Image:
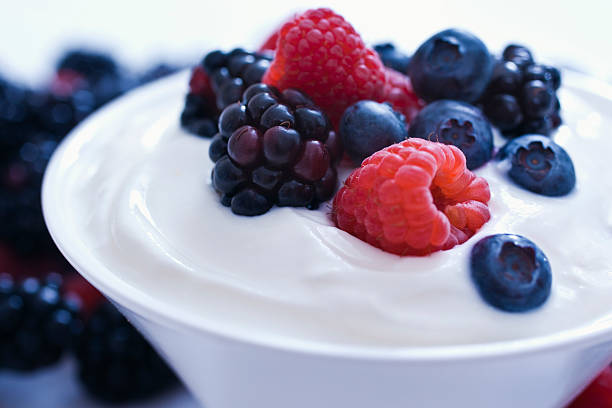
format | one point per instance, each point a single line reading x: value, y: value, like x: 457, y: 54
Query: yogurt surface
x: 137, y: 194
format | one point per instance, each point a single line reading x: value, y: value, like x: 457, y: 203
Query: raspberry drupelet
x: 413, y: 198
x: 321, y: 54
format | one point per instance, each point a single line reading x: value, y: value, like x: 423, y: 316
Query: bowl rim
x: 139, y: 302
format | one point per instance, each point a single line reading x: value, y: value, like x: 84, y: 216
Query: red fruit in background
x: 598, y: 394
x: 413, y: 198
x: 322, y: 55
x: 270, y: 43
x: 199, y: 83
x: 399, y: 93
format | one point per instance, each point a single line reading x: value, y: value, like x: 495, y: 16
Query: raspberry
x: 413, y: 198
x: 598, y: 394
x: 321, y: 54
x: 270, y: 43
x: 399, y: 93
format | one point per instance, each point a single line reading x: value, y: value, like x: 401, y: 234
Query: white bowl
x: 225, y: 370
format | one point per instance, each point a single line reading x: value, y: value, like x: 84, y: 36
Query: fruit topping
x: 273, y: 148
x: 322, y: 55
x: 459, y: 124
x: 453, y: 64
x: 219, y: 80
x: 413, y: 198
x: 367, y: 127
x: 540, y: 165
x: 392, y: 57
x: 520, y: 97
x: 598, y: 394
x: 510, y: 272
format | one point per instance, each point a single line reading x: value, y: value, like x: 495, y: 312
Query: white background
x: 572, y: 33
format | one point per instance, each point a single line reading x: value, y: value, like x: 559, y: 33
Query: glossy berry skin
x: 520, y: 98
x: 456, y: 123
x: 518, y: 54
x: 539, y: 165
x: 392, y: 57
x: 598, y: 394
x: 413, y: 198
x: 452, y: 64
x: 321, y: 54
x: 217, y: 82
x: 510, y: 272
x: 273, y: 148
x: 367, y: 127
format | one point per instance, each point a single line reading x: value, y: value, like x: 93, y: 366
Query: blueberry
x: 452, y: 64
x: 539, y: 165
x: 392, y: 57
x: 510, y: 272
x: 367, y: 127
x: 518, y: 54
x: 459, y: 124
x: 503, y: 111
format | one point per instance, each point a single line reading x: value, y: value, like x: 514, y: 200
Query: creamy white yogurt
x: 139, y: 196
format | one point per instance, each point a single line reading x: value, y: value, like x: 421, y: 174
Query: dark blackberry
x: 392, y: 57
x: 520, y: 97
x: 36, y: 324
x: 218, y: 81
x: 17, y: 119
x: 273, y: 148
x: 116, y: 364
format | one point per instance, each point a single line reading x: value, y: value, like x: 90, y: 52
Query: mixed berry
x: 521, y: 96
x: 273, y: 148
x: 45, y: 308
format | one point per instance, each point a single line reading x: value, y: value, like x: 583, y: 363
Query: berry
x: 456, y: 123
x: 273, y: 148
x: 539, y: 165
x: 506, y: 78
x: 510, y: 272
x: 537, y: 99
x: 505, y: 111
x: 598, y: 394
x: 452, y: 64
x: 367, y: 127
x: 322, y: 55
x: 399, y: 93
x: 36, y: 325
x: 520, y: 97
x: 413, y: 198
x: 116, y: 364
x: 392, y: 57
x: 216, y: 83
x: 518, y: 54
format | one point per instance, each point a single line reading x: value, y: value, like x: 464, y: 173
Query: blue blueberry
x: 540, y: 165
x: 459, y: 124
x: 510, y: 272
x: 452, y: 64
x: 392, y: 57
x: 367, y: 127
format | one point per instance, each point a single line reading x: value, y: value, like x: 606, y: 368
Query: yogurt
x: 139, y: 197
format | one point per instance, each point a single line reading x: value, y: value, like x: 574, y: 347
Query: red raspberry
x: 413, y: 198
x: 399, y: 93
x: 322, y: 55
x: 270, y: 43
x: 598, y: 394
x: 199, y: 83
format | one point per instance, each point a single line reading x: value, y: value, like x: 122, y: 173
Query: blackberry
x: 115, y: 363
x: 273, y: 148
x: 17, y: 119
x: 36, y: 325
x: 218, y: 81
x: 521, y: 95
x: 392, y: 57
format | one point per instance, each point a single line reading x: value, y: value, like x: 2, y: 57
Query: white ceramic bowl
x: 229, y: 371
